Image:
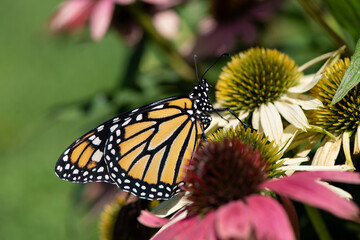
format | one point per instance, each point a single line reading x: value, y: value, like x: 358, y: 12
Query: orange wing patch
x: 135, y: 128
x: 138, y: 169
x: 126, y: 146
x: 153, y: 172
x: 166, y: 130
x: 85, y: 156
x: 184, y: 103
x: 174, y: 155
x: 77, y: 151
x: 126, y: 161
x: 193, y: 142
x: 162, y: 113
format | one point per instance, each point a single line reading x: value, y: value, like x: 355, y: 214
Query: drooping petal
x: 327, y: 153
x: 333, y: 176
x: 204, y: 229
x: 268, y: 218
x: 148, y: 219
x: 176, y: 229
x: 256, y: 119
x: 293, y: 114
x: 290, y: 210
x: 271, y: 122
x: 305, y: 84
x: 357, y: 141
x: 170, y: 206
x: 167, y: 23
x: 305, y: 101
x: 100, y: 18
x: 337, y: 167
x: 72, y: 14
x: 232, y: 221
x: 346, y: 148
x: 303, y: 187
x: 338, y: 191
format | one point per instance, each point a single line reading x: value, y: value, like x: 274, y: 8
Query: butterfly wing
x: 143, y: 151
x: 146, y: 154
x: 83, y: 161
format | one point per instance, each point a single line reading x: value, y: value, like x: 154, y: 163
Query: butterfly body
x: 142, y: 151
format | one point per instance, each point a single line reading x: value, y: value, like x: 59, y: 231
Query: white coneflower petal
x: 293, y: 114
x: 327, y: 152
x: 271, y: 122
x: 305, y: 83
x: 357, y: 141
x: 305, y: 101
x: 256, y: 119
x: 346, y: 148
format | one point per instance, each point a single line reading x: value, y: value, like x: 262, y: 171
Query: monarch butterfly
x: 142, y: 151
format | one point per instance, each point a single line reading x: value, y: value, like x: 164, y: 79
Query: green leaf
x: 351, y: 77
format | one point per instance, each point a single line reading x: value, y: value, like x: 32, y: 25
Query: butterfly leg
x: 232, y: 113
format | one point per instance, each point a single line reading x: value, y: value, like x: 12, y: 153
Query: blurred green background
x: 53, y: 89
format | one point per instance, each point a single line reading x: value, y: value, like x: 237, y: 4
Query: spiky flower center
x: 225, y: 169
x: 342, y: 116
x: 255, y: 77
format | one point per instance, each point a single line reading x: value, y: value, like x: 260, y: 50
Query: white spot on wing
x: 126, y: 122
x: 96, y: 141
x: 158, y: 107
x: 139, y: 117
x: 97, y: 156
x: 118, y: 132
x: 114, y: 127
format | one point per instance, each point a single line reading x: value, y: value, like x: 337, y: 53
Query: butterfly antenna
x: 216, y: 61
x: 196, y: 69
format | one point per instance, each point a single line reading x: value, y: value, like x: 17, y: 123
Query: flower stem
x: 318, y: 223
x: 316, y: 14
x: 174, y: 58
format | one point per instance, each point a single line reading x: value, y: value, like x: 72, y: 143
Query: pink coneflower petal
x: 269, y: 218
x: 190, y: 228
x: 101, y: 18
x: 205, y: 229
x: 233, y: 221
x: 71, y: 15
x: 303, y: 187
x: 333, y: 176
x: 177, y: 228
x: 148, y: 219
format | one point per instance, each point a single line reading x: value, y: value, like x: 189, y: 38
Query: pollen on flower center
x: 342, y: 116
x: 221, y: 172
x: 255, y: 77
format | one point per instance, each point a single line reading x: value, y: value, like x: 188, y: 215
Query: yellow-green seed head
x: 342, y: 116
x: 255, y: 77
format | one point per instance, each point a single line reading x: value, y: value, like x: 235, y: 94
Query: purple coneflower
x: 233, y: 186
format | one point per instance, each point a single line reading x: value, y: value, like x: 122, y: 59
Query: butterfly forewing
x: 84, y: 161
